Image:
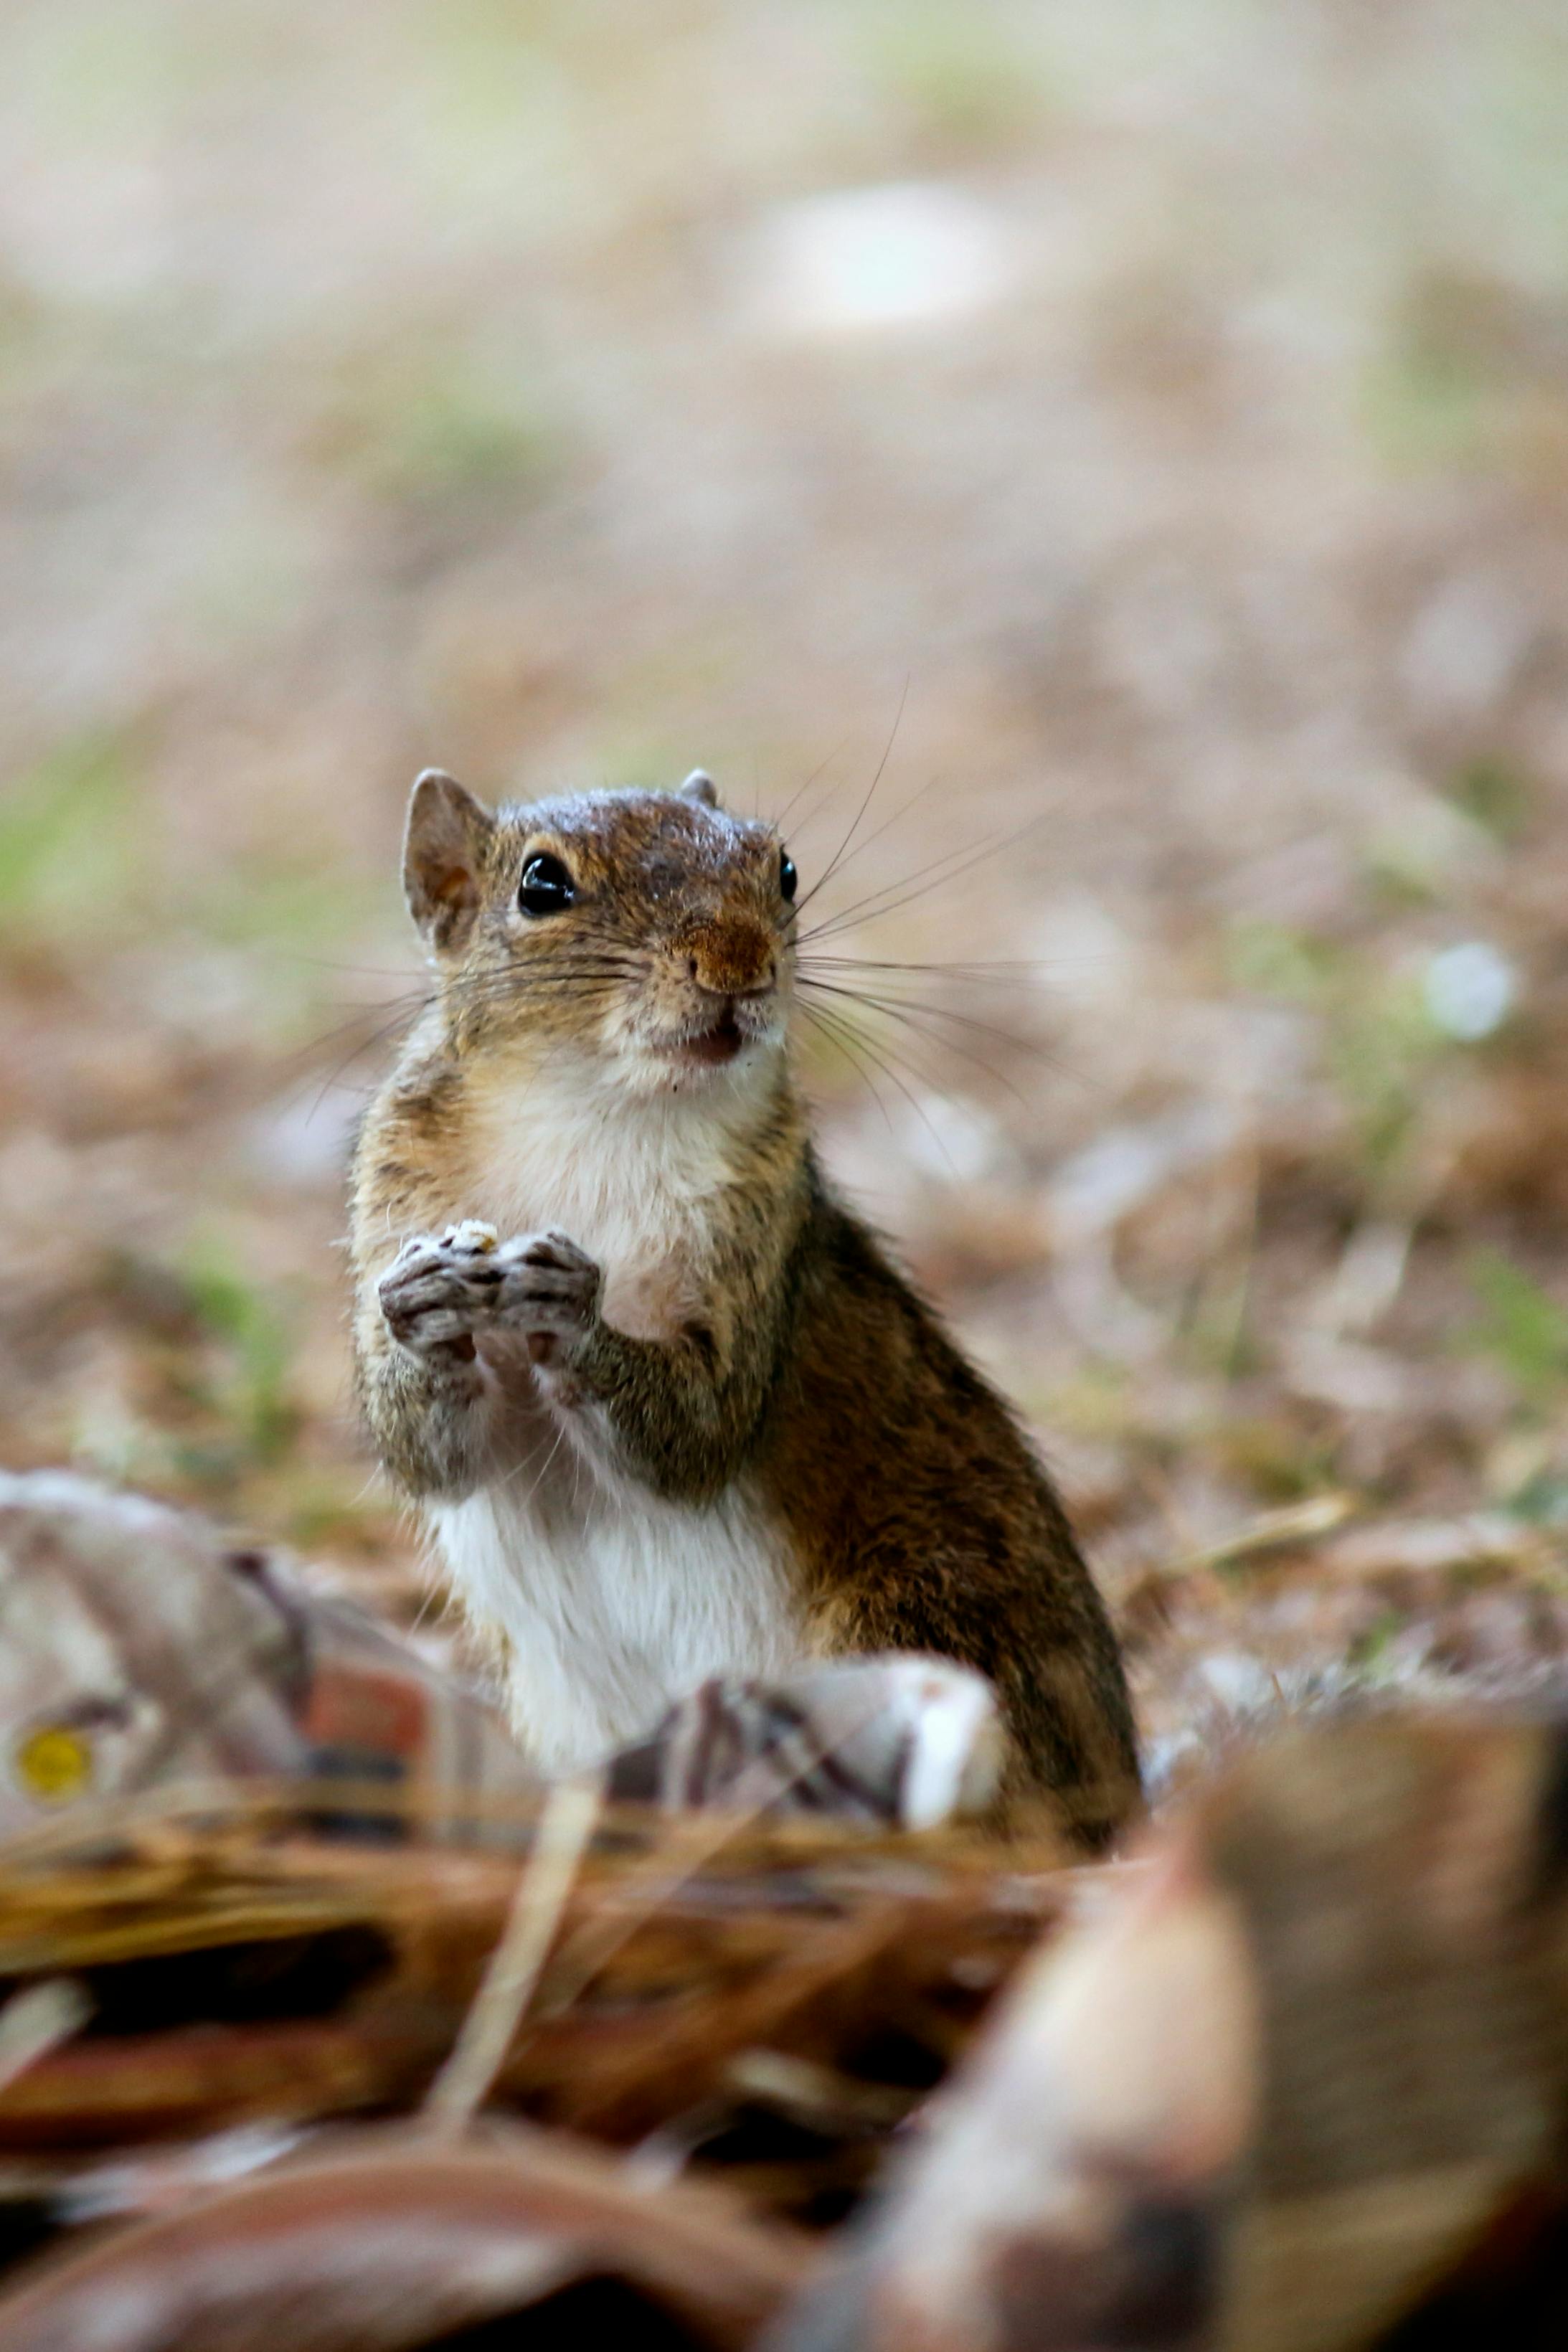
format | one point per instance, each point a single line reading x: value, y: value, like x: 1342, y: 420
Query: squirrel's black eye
x: 788, y: 878
x: 546, y: 886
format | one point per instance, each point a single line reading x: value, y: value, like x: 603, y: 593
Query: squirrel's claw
x: 546, y: 1284
x: 447, y: 1286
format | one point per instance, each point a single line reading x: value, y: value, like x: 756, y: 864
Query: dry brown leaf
x: 392, y: 2238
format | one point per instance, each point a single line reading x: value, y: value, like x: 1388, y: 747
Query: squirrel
x: 670, y: 1409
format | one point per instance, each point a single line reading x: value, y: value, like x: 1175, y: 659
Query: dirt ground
x: 1140, y: 432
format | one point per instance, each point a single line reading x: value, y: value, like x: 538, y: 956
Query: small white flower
x: 1469, y: 990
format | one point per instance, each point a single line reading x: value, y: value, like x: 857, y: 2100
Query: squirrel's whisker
x: 842, y: 850
x: 844, y: 1042
x: 886, y: 826
x: 880, y: 1056
x: 909, y: 1017
x: 1002, y: 974
x: 782, y: 819
x: 897, y: 1009
x: 866, y: 910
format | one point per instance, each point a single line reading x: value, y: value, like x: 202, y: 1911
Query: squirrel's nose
x: 733, y: 960
x: 721, y: 984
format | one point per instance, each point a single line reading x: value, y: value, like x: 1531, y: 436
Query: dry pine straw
x: 777, y: 1998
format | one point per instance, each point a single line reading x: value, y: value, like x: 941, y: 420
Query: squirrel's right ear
x: 443, y: 856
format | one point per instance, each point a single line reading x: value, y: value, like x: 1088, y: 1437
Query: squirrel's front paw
x: 444, y: 1289
x: 441, y: 1288
x: 547, y: 1288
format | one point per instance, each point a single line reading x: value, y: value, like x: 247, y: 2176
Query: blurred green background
x: 1164, y: 403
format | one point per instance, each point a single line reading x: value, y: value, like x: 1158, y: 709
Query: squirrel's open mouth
x: 721, y: 1041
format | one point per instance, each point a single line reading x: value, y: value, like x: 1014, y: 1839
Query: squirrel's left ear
x: 443, y: 856
x: 698, y: 786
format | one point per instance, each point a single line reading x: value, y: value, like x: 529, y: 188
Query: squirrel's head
x: 653, y: 930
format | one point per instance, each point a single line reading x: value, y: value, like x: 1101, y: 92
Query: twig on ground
x: 565, y: 1825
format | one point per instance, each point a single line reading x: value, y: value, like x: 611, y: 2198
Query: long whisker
x: 518, y: 983
x: 907, y: 1009
x: 838, y: 854
x: 356, y: 1053
x: 880, y: 1056
x: 867, y: 910
x: 526, y: 983
x: 394, y: 1014
x: 881, y: 1052
x: 1002, y: 973
x: 800, y: 791
x: 529, y: 967
x: 585, y: 992
x: 394, y: 1009
x: 898, y: 814
x: 854, y: 1044
x: 839, y: 1037
x: 910, y: 1016
x: 465, y: 993
x: 327, y: 963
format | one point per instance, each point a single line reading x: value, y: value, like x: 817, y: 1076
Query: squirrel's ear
x: 443, y: 852
x: 698, y: 786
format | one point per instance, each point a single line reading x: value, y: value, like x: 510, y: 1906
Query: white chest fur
x: 629, y: 1180
x: 609, y: 1601
x: 610, y: 1610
